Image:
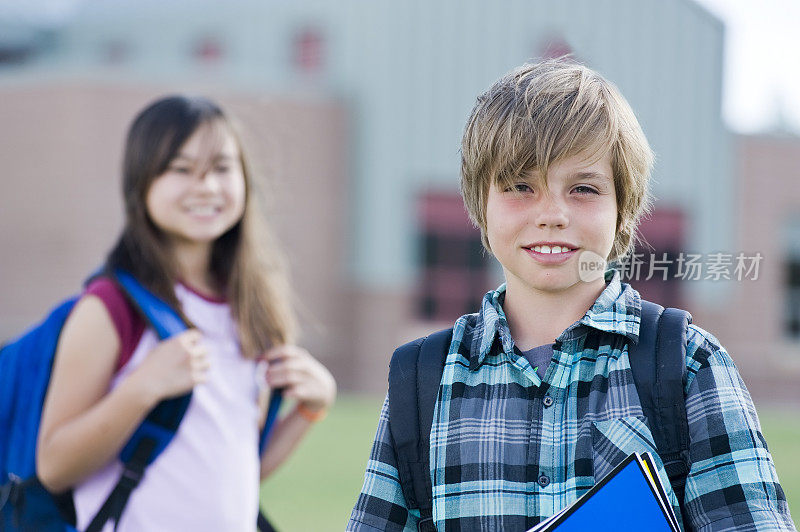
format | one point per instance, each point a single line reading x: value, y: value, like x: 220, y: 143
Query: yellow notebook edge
x: 651, y: 473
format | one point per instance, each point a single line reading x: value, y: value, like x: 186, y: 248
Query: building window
x: 554, y: 47
x: 15, y: 54
x: 792, y: 277
x: 308, y: 50
x: 454, y: 269
x: 658, y: 276
x: 115, y: 52
x: 793, y: 298
x: 208, y: 49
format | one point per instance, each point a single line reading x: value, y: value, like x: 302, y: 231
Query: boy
x: 537, y: 400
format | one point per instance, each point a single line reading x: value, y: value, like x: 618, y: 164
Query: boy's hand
x: 174, y: 366
x: 301, y: 376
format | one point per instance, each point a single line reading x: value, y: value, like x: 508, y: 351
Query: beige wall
x: 751, y: 327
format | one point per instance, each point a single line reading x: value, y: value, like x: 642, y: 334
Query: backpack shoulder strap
x: 159, y: 427
x: 161, y: 424
x: 415, y: 373
x: 658, y: 363
x: 166, y: 322
x: 162, y: 318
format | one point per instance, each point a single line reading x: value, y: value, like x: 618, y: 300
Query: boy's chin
x: 550, y: 282
x: 555, y: 287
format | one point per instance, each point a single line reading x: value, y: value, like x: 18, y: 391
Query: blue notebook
x: 631, y: 497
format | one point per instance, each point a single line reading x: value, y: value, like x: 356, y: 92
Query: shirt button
x: 548, y: 401
x: 544, y: 480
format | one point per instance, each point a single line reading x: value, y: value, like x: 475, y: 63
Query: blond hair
x: 540, y: 114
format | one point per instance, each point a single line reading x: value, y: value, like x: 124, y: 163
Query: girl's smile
x: 201, y: 194
x: 204, y: 211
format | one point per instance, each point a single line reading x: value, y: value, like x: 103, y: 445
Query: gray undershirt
x: 539, y: 357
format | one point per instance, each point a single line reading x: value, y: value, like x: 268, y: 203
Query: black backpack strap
x: 132, y: 473
x: 415, y: 373
x: 658, y: 363
x: 263, y: 524
x: 161, y: 423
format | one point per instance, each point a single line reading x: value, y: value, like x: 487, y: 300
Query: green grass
x: 317, y: 487
x: 781, y: 429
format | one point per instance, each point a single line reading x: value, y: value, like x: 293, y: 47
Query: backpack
x: 25, y: 367
x: 415, y: 373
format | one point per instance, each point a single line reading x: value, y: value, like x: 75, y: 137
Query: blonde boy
x: 537, y: 400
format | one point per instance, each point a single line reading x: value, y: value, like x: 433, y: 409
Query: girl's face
x: 201, y: 194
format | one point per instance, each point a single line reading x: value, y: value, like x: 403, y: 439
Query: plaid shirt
x: 509, y: 449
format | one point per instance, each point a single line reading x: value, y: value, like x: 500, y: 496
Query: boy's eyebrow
x: 591, y: 176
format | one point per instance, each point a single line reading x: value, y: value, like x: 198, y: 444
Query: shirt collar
x: 616, y: 310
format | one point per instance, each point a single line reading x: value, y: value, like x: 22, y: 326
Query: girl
x: 190, y: 237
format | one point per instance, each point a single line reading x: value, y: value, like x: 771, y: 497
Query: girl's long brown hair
x: 245, y: 261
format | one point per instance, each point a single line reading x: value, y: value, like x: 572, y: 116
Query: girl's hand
x: 301, y: 376
x: 174, y: 366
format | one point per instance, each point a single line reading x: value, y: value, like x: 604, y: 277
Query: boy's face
x: 538, y: 236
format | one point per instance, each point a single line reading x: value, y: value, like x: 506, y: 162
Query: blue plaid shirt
x: 509, y: 449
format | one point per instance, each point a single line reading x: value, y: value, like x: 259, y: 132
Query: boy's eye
x: 583, y: 189
x: 519, y: 187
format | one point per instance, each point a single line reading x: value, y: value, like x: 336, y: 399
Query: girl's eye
x: 222, y: 169
x: 583, y: 189
x: 180, y: 169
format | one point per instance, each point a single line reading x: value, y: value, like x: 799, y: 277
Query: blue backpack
x: 25, y: 366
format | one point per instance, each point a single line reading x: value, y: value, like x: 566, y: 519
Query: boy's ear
x: 621, y: 222
x: 485, y: 242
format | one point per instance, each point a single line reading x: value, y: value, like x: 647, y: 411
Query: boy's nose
x: 551, y: 213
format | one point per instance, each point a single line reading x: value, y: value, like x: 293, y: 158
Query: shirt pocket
x: 614, y: 439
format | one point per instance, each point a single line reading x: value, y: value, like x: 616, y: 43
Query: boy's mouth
x: 551, y: 248
x: 551, y: 253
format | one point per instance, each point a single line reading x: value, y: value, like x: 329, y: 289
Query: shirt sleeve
x: 732, y: 482
x: 129, y: 324
x: 381, y: 504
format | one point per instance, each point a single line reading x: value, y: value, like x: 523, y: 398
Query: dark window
x: 453, y: 266
x: 793, y: 297
x: 657, y: 277
x: 15, y: 55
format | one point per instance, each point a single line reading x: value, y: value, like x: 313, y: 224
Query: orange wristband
x: 311, y: 415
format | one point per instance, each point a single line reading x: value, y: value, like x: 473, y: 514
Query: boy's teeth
x: 548, y: 249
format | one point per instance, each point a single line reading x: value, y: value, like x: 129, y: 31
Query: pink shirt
x: 207, y: 479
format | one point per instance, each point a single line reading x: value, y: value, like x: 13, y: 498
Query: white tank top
x: 207, y: 479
